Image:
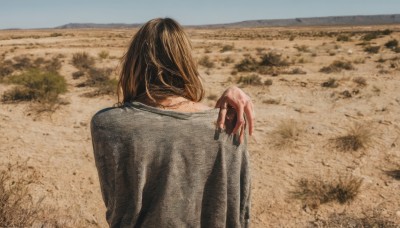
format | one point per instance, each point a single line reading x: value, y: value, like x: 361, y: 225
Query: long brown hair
x: 159, y: 63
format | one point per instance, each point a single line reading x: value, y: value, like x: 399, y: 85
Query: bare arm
x: 241, y: 102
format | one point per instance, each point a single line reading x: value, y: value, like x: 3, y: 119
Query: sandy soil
x: 58, y: 144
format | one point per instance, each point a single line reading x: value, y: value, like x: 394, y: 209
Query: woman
x: 160, y: 159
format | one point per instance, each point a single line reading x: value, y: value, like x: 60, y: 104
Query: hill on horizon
x: 307, y: 21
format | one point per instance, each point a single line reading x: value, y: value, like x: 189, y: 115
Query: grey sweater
x: 161, y: 168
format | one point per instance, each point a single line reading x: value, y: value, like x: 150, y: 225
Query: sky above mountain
x: 51, y: 13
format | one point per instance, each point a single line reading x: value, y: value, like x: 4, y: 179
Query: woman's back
x: 161, y: 168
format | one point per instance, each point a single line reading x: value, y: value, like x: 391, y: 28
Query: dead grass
x: 100, y: 78
x: 359, y: 136
x: 394, y: 173
x: 361, y: 81
x: 17, y: 208
x: 206, y: 62
x: 337, y: 66
x: 372, y: 49
x: 317, y: 191
x: 82, y: 60
x: 286, y: 133
x: 341, y: 220
x: 330, y: 83
x: 253, y: 79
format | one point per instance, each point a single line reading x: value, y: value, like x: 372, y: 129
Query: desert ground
x: 326, y: 146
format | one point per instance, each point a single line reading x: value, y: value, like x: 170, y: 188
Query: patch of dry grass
x: 337, y: 66
x: 341, y: 220
x: 253, y: 79
x: 286, y: 133
x: 317, y: 191
x: 359, y: 136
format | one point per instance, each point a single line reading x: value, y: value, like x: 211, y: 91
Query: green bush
x: 36, y: 85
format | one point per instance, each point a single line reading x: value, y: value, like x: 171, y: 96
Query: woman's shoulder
x: 104, y: 115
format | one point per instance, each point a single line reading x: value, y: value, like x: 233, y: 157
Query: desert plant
x: 228, y: 60
x: 268, y: 82
x: 392, y: 44
x: 17, y: 209
x: 337, y: 66
x: 296, y: 70
x: 78, y: 74
x: 226, y: 48
x: 103, y: 54
x: 273, y: 59
x: 302, y: 48
x: 361, y: 81
x: 36, y: 85
x: 206, y: 62
x: 343, y: 38
x: 340, y: 220
x: 394, y: 173
x: 82, y: 60
x: 330, y: 83
x: 100, y: 79
x: 359, y: 136
x: 372, y: 49
x: 253, y: 79
x: 55, y: 34
x: 316, y: 191
x: 247, y: 64
x: 286, y: 133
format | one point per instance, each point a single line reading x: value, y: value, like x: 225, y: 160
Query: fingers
x: 250, y: 116
x: 240, y: 118
x: 221, y: 118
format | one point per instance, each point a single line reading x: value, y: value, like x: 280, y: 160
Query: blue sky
x: 51, y: 13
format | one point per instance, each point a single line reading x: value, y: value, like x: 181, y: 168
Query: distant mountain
x: 310, y: 21
x: 318, y: 21
x: 94, y: 25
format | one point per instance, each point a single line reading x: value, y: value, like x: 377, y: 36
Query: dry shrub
x: 268, y: 82
x: 341, y: 220
x: 394, y: 174
x: 82, y: 60
x: 302, y: 48
x: 228, y: 60
x: 361, y: 81
x: 343, y: 38
x: 392, y: 44
x: 286, y: 134
x: 247, y: 64
x: 273, y: 59
x: 337, y: 66
x: 227, y: 48
x: 6, y: 68
x: 36, y: 85
x: 103, y: 54
x: 317, y: 191
x: 330, y: 83
x: 17, y: 208
x: 78, y: 74
x: 253, y: 79
x: 372, y: 49
x: 296, y: 70
x: 101, y: 79
x: 375, y: 34
x: 206, y: 62
x: 359, y: 136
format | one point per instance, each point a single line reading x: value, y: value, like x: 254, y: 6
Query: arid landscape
x: 326, y: 146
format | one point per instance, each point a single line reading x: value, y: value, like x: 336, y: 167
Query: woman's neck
x: 175, y: 103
